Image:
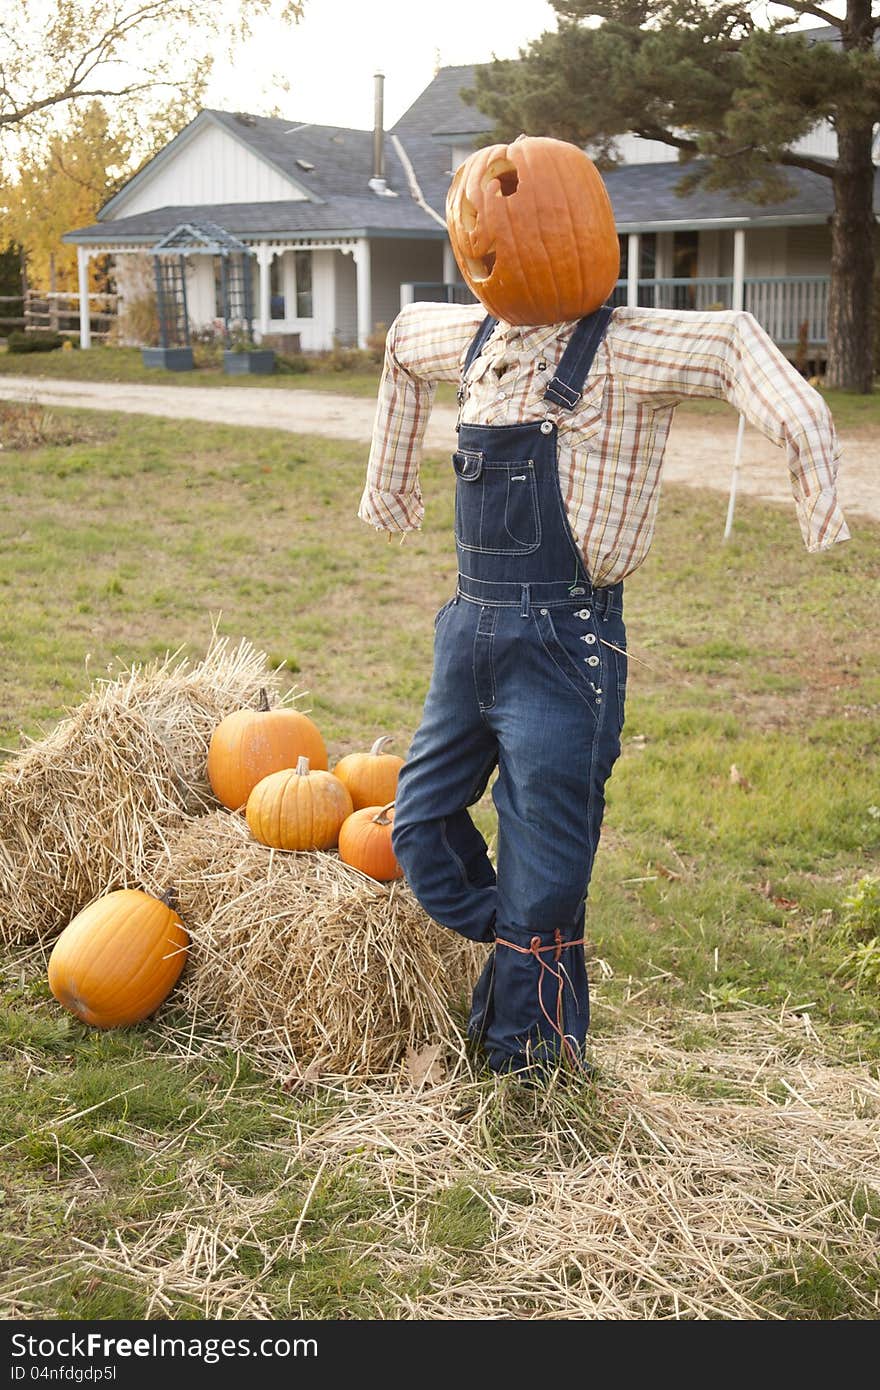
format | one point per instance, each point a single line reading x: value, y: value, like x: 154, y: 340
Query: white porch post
x: 85, y: 326
x: 364, y: 295
x: 633, y: 260
x: 450, y: 267
x: 739, y: 267
x: 264, y: 260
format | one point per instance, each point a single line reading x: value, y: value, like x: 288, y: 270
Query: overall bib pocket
x: 496, y: 505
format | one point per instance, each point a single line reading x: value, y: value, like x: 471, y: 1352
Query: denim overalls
x: 529, y: 675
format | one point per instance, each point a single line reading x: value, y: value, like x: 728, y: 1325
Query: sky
x: 330, y: 57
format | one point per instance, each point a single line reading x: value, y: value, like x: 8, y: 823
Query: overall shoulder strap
x: 567, y: 385
x: 480, y: 338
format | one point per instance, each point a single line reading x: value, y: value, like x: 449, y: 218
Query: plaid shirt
x: 611, y: 445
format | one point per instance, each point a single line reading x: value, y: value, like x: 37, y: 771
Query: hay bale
x: 86, y: 808
x: 299, y: 959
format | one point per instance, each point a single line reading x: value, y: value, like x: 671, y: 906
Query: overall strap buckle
x: 566, y: 388
x: 560, y: 393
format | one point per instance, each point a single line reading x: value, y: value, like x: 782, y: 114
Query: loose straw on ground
x: 735, y: 1179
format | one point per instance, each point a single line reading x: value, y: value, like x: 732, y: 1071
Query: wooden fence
x: 57, y: 312
x: 11, y: 313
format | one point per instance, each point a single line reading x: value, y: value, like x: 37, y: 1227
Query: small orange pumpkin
x: 365, y: 842
x: 298, y: 808
x: 119, y: 958
x: 533, y: 232
x: 371, y: 777
x: 249, y: 744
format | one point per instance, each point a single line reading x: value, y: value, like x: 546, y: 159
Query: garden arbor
x: 234, y: 280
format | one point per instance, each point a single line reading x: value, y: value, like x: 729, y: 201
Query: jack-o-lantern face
x: 532, y: 230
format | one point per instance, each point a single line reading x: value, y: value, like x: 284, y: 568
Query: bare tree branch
x: 805, y: 7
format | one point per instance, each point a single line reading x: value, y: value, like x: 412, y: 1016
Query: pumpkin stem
x: 264, y: 701
x: 380, y: 745
x: 169, y: 897
x: 383, y: 818
x: 302, y: 766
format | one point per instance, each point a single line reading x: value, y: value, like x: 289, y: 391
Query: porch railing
x: 434, y: 293
x: 784, y: 305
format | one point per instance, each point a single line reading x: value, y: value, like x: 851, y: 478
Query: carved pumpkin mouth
x: 481, y: 268
x: 503, y: 172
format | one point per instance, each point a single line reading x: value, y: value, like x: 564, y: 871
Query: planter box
x: 172, y: 359
x: 259, y: 363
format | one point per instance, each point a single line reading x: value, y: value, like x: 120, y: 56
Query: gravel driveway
x: 700, y: 450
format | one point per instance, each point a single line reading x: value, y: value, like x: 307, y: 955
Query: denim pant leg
x: 557, y: 749
x: 442, y: 853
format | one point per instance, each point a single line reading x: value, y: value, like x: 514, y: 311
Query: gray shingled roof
x: 643, y: 197
x: 440, y: 110
x: 343, y: 217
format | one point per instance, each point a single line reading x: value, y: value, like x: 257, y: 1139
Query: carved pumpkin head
x: 532, y: 230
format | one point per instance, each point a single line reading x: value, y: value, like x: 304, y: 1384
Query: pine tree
x: 709, y: 80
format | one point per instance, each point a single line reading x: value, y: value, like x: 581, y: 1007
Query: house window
x: 276, y: 288
x: 303, y: 267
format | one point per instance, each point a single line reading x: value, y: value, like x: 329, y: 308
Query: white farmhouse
x: 348, y: 224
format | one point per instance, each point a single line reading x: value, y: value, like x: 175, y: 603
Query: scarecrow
x: 565, y: 408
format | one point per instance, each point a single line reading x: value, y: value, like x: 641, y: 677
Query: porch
x: 323, y: 290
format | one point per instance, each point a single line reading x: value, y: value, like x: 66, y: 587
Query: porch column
x: 364, y: 294
x: 633, y: 261
x: 451, y: 274
x: 739, y: 267
x: 264, y: 261
x: 85, y: 326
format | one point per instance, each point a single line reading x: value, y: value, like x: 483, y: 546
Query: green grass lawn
x: 712, y: 898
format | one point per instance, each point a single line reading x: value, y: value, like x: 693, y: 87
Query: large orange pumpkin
x: 298, y: 808
x: 118, y: 959
x: 371, y: 777
x: 365, y: 842
x: 249, y: 744
x: 533, y: 232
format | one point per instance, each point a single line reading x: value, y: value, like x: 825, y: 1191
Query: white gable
x: 210, y: 167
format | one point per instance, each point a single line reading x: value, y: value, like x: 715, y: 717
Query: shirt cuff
x: 822, y: 522
x: 391, y: 511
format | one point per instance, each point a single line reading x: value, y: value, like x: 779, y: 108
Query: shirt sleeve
x: 671, y: 355
x: 425, y: 344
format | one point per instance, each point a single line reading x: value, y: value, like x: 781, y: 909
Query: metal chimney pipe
x: 379, y: 126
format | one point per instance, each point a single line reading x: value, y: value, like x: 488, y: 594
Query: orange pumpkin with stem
x: 365, y: 842
x: 249, y: 744
x: 532, y: 230
x: 298, y: 808
x: 371, y: 777
x: 119, y: 958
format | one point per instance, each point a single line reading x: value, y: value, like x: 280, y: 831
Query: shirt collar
x: 528, y: 338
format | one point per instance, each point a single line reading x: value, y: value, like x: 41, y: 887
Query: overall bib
x: 530, y: 676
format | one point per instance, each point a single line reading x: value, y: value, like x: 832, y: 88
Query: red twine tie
x: 535, y: 949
